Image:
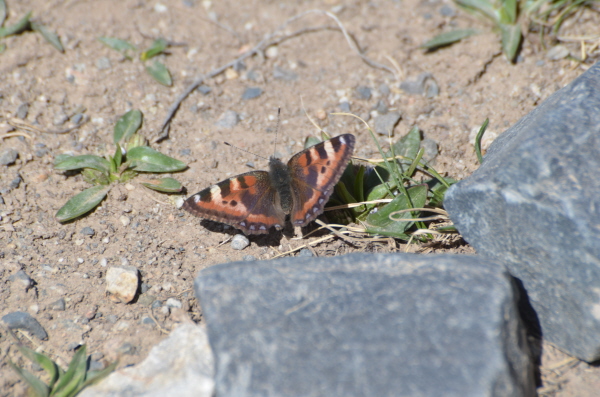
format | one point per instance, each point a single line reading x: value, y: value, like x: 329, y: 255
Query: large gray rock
x: 365, y: 325
x: 534, y: 205
x: 181, y: 365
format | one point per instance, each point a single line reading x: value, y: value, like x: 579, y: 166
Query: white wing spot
x: 262, y: 227
x: 342, y: 140
x: 315, y: 210
x: 196, y: 198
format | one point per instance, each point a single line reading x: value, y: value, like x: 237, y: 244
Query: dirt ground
x: 316, y: 70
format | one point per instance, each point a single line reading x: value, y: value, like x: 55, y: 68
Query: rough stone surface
x: 181, y: 365
x: 24, y: 321
x: 424, y: 84
x: 534, y: 205
x: 365, y: 325
x: 122, y: 283
x: 229, y: 119
x: 252, y: 92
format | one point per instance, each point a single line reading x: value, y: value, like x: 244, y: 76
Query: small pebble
x: 363, y: 92
x: 381, y: 107
x: 384, y: 124
x: 112, y: 318
x: 76, y: 119
x: 344, y: 107
x: 251, y: 93
x: 60, y: 118
x: 321, y: 114
x: 147, y: 321
x: 87, y: 231
x: 431, y: 149
x: 122, y: 283
x: 8, y: 156
x: 384, y: 90
x: 249, y: 258
x: 22, y: 111
x: 175, y: 303
x: 58, y: 305
x: 229, y: 119
x: 424, y: 84
x: 156, y: 304
x: 125, y: 221
x: 22, y: 320
x: 284, y: 74
x: 447, y: 11
x: 22, y: 279
x: 271, y: 52
x: 557, y: 52
x: 239, y: 242
x: 204, y: 89
x: 305, y: 252
x: 103, y: 63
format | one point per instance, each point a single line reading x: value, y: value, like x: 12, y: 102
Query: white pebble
x: 239, y: 242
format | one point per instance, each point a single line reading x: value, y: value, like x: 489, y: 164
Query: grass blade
x: 157, y: 47
x: 74, y: 377
x: 18, y: 27
x: 482, y: 6
x: 445, y: 39
x: 511, y: 40
x: 82, y: 203
x: 45, y: 362
x: 2, y: 12
x: 39, y: 388
x: 166, y: 185
x: 118, y: 45
x: 478, y: 140
x: 127, y: 125
x: 146, y: 159
x: 160, y: 73
x: 50, y: 36
x: 83, y: 161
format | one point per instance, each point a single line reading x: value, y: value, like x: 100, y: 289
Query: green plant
x: 157, y: 69
x: 60, y: 383
x: 393, y: 182
x: 126, y: 163
x: 509, y: 16
x: 25, y: 24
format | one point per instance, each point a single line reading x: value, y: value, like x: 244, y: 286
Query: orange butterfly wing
x: 314, y: 173
x: 247, y: 202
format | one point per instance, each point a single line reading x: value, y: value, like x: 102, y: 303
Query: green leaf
x: 2, y: 47
x: 82, y: 203
x: 157, y: 47
x: 437, y: 191
x: 167, y: 185
x: 95, y: 177
x: 45, y: 362
x: 508, y: 12
x: 146, y: 159
x: 407, y: 146
x: 118, y: 45
x: 70, y: 382
x: 118, y: 157
x: 18, y: 27
x: 39, y: 388
x: 50, y: 36
x: 478, y: 140
x: 482, y: 6
x: 160, y: 73
x: 127, y: 125
x: 359, y: 183
x: 511, y: 39
x: 84, y: 161
x: 444, y: 39
x: 2, y: 12
x: 95, y: 376
x: 380, y: 222
x: 311, y: 141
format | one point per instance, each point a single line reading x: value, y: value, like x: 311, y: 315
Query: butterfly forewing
x: 245, y: 201
x: 314, y: 173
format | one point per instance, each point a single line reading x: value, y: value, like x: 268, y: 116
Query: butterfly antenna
x: 244, y: 150
x: 276, y: 130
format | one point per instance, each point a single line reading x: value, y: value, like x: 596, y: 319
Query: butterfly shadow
x: 271, y: 239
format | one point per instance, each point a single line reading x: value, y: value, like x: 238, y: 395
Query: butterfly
x: 256, y: 201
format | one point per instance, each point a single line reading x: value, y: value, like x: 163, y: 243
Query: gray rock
x: 58, y: 305
x: 87, y: 231
x: 229, y: 119
x: 384, y: 124
x: 24, y: 321
x: 534, y: 206
x: 447, y: 11
x: 122, y: 283
x: 284, y: 74
x: 21, y: 279
x: 8, y: 156
x: 22, y: 111
x: 181, y: 365
x: 557, y: 52
x: 251, y: 93
x: 15, y: 183
x: 365, y: 325
x: 239, y: 242
x: 344, y: 107
x: 384, y: 90
x: 172, y: 302
x: 381, y: 107
x: 103, y: 63
x: 248, y: 258
x: 77, y: 118
x: 305, y: 252
x: 363, y: 92
x: 204, y: 89
x: 424, y: 84
x: 431, y: 149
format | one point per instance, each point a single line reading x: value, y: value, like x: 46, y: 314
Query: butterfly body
x: 258, y: 200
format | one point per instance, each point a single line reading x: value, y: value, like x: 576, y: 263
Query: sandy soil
x: 144, y: 228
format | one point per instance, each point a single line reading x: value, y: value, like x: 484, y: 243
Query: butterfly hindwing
x: 246, y: 201
x: 314, y: 173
